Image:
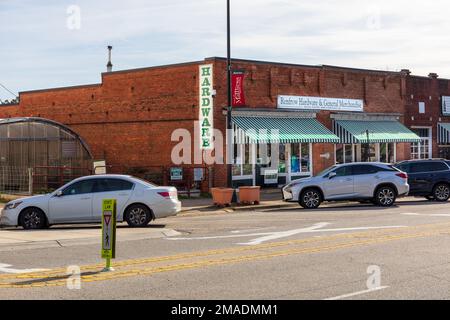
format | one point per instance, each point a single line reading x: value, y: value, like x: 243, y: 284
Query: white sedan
x: 80, y: 201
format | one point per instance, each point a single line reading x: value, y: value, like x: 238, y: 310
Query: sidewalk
x: 270, y: 199
x: 65, y: 236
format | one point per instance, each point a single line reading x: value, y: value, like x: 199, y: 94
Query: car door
x: 420, y: 178
x: 111, y: 188
x: 74, y: 204
x: 341, y: 185
x: 365, y: 179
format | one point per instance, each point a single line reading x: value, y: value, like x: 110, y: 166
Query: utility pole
x: 367, y: 155
x: 229, y: 106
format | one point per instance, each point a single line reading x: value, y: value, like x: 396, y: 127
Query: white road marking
x: 427, y: 215
x: 6, y: 268
x: 356, y: 293
x: 267, y: 236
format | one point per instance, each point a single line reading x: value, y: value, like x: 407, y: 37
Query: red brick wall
x: 383, y: 92
x: 128, y: 118
x: 428, y: 90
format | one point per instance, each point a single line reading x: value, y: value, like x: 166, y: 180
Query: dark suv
x: 428, y: 178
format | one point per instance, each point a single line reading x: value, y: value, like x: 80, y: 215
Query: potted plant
x: 249, y: 195
x: 222, y: 196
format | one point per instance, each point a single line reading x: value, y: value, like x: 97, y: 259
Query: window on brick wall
x: 422, y: 150
x: 422, y: 107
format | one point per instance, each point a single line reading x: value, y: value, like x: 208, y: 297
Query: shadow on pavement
x: 359, y: 207
x: 55, y: 278
x: 85, y: 227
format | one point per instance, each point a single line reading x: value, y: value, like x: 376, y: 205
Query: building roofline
x: 82, y: 86
x: 217, y: 58
x: 164, y: 66
x: 320, y: 66
x: 112, y: 73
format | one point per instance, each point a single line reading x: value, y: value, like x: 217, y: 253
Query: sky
x: 55, y: 43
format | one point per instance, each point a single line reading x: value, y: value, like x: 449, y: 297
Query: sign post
x: 109, y: 215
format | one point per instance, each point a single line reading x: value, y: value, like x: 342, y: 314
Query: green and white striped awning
x: 259, y: 129
x: 355, y: 132
x: 443, y: 133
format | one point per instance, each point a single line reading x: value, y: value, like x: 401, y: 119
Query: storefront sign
x: 176, y: 174
x: 206, y: 106
x: 318, y: 103
x: 198, y: 174
x: 445, y: 106
x: 238, y: 88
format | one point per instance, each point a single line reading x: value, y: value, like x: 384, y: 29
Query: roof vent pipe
x: 109, y: 65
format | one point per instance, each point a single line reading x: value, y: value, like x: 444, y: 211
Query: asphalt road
x: 337, y: 252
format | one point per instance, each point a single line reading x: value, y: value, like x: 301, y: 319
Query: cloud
x: 39, y: 51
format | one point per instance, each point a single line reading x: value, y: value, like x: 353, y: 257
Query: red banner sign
x: 237, y: 88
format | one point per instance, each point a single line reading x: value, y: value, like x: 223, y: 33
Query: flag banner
x: 237, y: 88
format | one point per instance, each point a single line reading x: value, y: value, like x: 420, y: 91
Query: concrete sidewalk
x: 270, y: 199
x: 65, y: 236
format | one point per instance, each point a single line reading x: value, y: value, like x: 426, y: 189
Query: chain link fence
x: 16, y: 180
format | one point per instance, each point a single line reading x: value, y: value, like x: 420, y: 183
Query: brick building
x: 324, y: 114
x: 427, y: 115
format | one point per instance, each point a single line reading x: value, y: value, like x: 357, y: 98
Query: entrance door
x: 422, y: 150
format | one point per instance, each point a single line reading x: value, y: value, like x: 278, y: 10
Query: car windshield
x: 325, y: 171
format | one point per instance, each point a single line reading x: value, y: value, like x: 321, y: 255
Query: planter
x: 222, y: 196
x: 249, y: 195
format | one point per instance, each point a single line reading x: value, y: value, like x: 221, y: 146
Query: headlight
x: 294, y: 183
x: 12, y: 205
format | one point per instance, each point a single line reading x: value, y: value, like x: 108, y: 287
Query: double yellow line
x: 195, y: 260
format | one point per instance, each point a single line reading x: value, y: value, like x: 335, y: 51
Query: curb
x: 213, y: 209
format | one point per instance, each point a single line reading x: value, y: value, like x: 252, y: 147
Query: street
x: 286, y: 253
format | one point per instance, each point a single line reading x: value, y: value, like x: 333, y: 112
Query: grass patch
x: 3, y: 200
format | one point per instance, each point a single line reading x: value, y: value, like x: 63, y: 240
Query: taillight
x: 168, y: 194
x: 402, y: 175
x: 164, y: 194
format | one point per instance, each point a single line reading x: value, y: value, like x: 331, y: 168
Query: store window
x: 300, y: 158
x: 242, y: 160
x: 282, y: 159
x: 305, y: 156
x: 383, y: 152
x: 295, y: 158
x: 387, y: 152
x: 369, y: 152
x: 423, y: 149
x: 344, y: 153
x: 444, y: 152
x: 247, y: 169
x: 237, y: 160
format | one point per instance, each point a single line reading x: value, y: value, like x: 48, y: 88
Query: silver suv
x: 376, y: 182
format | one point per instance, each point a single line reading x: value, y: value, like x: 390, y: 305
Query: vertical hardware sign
x: 206, y: 117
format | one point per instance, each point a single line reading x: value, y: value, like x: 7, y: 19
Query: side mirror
x: 332, y: 175
x: 59, y: 193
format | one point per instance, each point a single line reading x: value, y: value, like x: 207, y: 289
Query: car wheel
x: 310, y: 199
x: 385, y: 196
x: 33, y: 219
x: 441, y: 192
x: 138, y: 216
